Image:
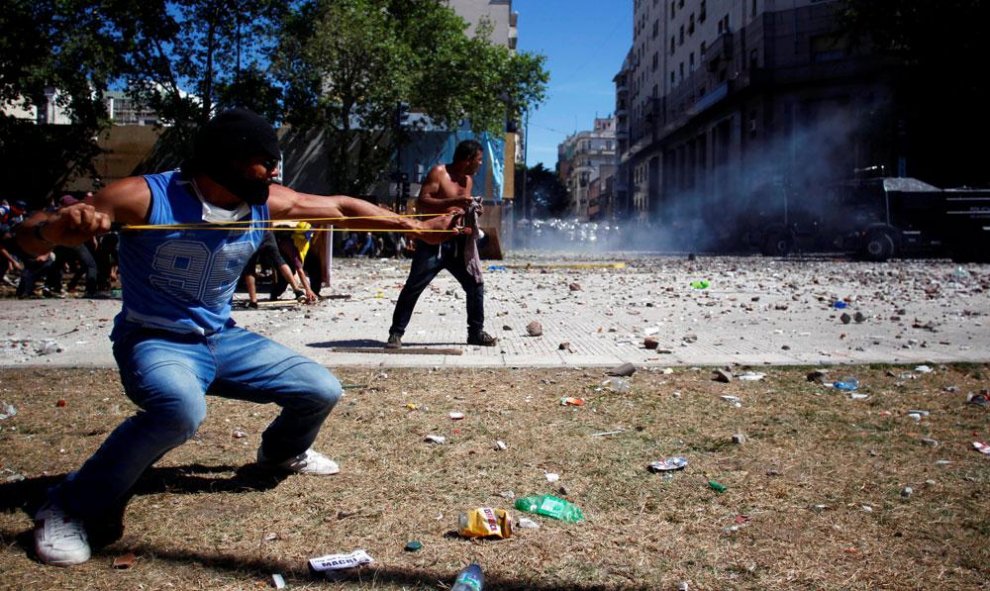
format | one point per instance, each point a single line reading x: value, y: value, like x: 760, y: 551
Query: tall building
x: 585, y: 157
x: 497, y: 13
x: 726, y: 97
x: 620, y: 205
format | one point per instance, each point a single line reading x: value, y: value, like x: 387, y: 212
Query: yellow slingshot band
x: 247, y: 225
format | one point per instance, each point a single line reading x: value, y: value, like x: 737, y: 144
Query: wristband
x: 37, y: 233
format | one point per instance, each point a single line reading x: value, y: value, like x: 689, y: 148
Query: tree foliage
x: 545, y: 195
x: 347, y: 64
x: 62, y: 51
x: 180, y: 58
x: 334, y: 65
x: 185, y: 59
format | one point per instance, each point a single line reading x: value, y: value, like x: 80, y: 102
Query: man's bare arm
x: 348, y: 212
x: 125, y: 201
x: 439, y: 193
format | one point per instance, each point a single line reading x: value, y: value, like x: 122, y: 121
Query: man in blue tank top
x: 174, y: 339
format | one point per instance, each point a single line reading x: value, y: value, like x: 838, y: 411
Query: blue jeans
x: 428, y: 261
x: 167, y: 375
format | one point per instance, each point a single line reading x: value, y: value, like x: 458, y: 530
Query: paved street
x: 594, y: 311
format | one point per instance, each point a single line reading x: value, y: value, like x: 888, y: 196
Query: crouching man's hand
x: 68, y: 226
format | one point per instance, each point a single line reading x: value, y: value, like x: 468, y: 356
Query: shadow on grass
x: 373, y: 575
x: 30, y: 493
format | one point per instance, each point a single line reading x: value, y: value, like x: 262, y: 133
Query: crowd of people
x: 388, y: 244
x: 88, y: 269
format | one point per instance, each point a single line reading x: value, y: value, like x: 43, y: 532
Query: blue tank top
x: 182, y: 280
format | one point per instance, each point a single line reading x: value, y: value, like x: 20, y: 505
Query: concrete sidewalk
x: 594, y: 312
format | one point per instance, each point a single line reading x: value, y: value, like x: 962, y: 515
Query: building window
x: 656, y: 28
x: 691, y: 24
x: 671, y: 77
x: 673, y: 45
x: 673, y: 10
x: 656, y: 61
x: 681, y: 68
x: 680, y: 37
x: 753, y: 59
x: 752, y: 9
x: 691, y: 60
x: 702, y: 12
x: 826, y: 48
x: 701, y: 51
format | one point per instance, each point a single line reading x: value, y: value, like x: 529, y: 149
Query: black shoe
x: 482, y: 339
x: 394, y: 341
x: 252, y: 305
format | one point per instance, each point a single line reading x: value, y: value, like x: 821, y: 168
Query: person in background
x: 78, y: 260
x: 8, y: 262
x: 268, y: 255
x: 294, y: 246
x: 446, y: 189
x: 367, y: 246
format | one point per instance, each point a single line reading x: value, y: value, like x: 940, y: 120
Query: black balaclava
x: 237, y: 134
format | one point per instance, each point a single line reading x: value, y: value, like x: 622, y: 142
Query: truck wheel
x: 879, y: 246
x: 778, y: 244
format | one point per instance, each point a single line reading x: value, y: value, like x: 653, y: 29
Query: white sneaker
x: 59, y: 540
x: 308, y: 462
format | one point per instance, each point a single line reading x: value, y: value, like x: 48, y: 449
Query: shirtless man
x: 174, y: 339
x: 447, y: 189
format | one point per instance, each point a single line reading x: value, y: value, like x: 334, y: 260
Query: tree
x: 62, y: 52
x: 185, y: 59
x: 348, y: 63
x: 181, y: 58
x: 545, y: 195
x: 938, y: 49
x: 345, y: 69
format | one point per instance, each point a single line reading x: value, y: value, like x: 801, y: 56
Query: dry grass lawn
x: 814, y: 497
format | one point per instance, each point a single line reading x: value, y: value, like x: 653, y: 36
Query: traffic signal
x: 402, y: 114
x: 404, y: 179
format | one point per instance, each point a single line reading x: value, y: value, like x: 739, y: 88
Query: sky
x: 584, y: 42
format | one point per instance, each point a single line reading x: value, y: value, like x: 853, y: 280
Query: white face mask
x: 219, y: 215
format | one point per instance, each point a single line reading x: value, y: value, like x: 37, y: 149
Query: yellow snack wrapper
x: 485, y: 522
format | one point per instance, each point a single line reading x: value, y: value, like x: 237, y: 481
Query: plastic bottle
x: 550, y: 506
x: 848, y: 384
x: 717, y: 486
x: 469, y: 579
x: 616, y: 384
